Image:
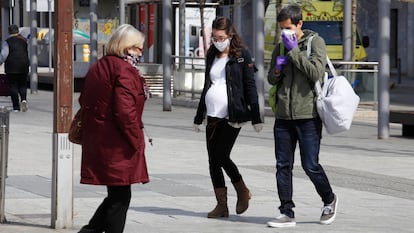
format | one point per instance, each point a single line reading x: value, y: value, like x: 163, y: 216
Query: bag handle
x: 331, y: 67
x: 309, y: 46
x: 308, y: 52
x: 321, y: 91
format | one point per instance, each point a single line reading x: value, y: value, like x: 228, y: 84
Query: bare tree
x: 278, y: 8
x: 203, y: 31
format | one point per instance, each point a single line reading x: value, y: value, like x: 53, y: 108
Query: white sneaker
x: 282, y: 221
x: 25, y: 106
x: 329, y: 212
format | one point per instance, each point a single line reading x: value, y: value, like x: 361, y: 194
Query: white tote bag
x: 337, y: 102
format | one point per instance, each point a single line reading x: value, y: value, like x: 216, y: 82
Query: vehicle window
x: 330, y: 31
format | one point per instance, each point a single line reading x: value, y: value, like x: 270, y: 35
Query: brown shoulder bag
x: 75, y: 130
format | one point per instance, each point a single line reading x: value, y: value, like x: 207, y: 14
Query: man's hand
x: 290, y: 41
x: 280, y: 61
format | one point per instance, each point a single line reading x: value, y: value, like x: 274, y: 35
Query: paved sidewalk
x: 372, y: 178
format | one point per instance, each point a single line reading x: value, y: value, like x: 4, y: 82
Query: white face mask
x: 221, y: 46
x: 288, y: 33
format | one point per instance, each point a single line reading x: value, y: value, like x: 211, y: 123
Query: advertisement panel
x: 41, y: 5
x: 194, y: 45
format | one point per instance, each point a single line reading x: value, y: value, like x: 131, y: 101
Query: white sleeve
x: 4, y: 52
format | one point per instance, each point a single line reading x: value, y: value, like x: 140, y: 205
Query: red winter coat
x: 113, y: 142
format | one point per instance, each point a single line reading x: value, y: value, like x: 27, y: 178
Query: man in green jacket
x: 295, y: 73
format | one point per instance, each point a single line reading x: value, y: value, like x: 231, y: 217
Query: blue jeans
x: 308, y: 133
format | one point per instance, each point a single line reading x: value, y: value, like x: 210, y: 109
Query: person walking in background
x: 112, y: 102
x: 296, y: 117
x: 15, y: 57
x: 229, y: 99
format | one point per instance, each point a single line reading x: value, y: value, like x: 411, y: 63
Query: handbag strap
x: 331, y: 67
x: 321, y: 91
x: 309, y: 50
x: 309, y: 46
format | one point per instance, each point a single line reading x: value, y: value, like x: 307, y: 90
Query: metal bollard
x: 4, y: 142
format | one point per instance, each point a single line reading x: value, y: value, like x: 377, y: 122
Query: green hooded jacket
x: 295, y: 95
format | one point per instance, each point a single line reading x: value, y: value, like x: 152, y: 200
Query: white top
x: 216, y: 96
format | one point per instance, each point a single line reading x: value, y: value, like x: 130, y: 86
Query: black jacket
x: 242, y: 96
x: 17, y: 61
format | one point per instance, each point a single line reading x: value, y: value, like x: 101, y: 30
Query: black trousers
x: 18, y: 87
x: 111, y: 214
x: 220, y: 138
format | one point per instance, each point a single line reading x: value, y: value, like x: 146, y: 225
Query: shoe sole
x: 329, y: 221
x: 281, y: 225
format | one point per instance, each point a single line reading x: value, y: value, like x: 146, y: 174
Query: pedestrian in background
x: 229, y: 99
x: 14, y: 55
x: 296, y: 118
x: 112, y: 102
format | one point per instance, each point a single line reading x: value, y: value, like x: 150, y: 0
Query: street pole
x: 11, y: 14
x: 347, y: 31
x: 353, y: 29
x: 181, y: 41
x: 16, y: 12
x: 49, y: 8
x: 237, y: 16
x: 62, y: 171
x: 4, y: 151
x: 166, y: 53
x: 258, y: 16
x: 33, y: 47
x: 93, y: 5
x: 4, y: 22
x: 121, y: 12
x: 384, y: 68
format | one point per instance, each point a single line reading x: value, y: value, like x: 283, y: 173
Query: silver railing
x: 363, y: 77
x: 4, y: 150
x: 189, y: 77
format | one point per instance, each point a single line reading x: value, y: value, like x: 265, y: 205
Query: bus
x: 323, y: 17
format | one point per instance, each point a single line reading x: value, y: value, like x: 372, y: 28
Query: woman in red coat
x: 112, y: 101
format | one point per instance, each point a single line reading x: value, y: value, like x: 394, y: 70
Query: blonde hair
x: 125, y: 36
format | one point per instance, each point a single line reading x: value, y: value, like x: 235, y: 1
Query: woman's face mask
x: 133, y: 59
x: 133, y: 54
x: 221, y: 46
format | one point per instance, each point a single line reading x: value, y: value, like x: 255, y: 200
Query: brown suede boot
x: 221, y: 209
x: 243, y: 196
